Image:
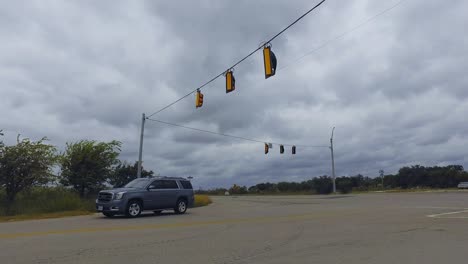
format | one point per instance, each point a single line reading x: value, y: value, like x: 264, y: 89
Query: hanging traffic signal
x: 266, y: 148
x: 281, y: 149
x: 294, y: 150
x: 269, y: 61
x: 199, y: 99
x: 230, y: 81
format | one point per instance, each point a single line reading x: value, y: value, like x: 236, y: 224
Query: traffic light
x: 269, y: 61
x: 266, y: 148
x: 199, y: 99
x: 294, y: 150
x: 281, y: 149
x: 230, y: 81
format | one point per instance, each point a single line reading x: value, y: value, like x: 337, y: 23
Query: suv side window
x: 158, y: 184
x: 186, y: 185
x: 165, y: 184
x: 170, y: 184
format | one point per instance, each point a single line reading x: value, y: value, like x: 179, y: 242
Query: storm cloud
x: 395, y: 88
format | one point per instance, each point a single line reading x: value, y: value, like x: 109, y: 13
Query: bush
x: 344, y: 185
x: 323, y: 185
x: 47, y: 200
x: 202, y: 200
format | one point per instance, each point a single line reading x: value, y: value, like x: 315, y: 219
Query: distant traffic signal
x: 293, y: 150
x: 281, y: 149
x: 230, y: 81
x: 266, y: 148
x: 269, y: 61
x: 199, y: 99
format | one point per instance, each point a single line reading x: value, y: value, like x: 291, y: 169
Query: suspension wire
x: 232, y: 136
x: 326, y: 43
x: 237, y: 63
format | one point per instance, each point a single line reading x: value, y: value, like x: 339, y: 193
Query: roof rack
x: 168, y: 177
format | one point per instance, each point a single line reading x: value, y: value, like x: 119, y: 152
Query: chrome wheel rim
x: 134, y: 209
x: 182, y: 206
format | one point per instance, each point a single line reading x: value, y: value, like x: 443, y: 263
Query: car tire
x: 108, y: 214
x: 157, y: 212
x: 181, y: 206
x: 133, y: 208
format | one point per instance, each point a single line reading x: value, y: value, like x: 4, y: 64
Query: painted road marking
x: 171, y: 225
x: 442, y: 215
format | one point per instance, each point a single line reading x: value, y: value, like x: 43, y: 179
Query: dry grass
x: 202, y: 200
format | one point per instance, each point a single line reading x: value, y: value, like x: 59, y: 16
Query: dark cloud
x: 395, y: 88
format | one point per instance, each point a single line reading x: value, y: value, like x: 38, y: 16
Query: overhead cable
x: 232, y: 136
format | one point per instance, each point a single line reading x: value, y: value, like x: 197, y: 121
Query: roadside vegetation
x: 202, y: 200
x: 37, y: 181
x: 45, y: 202
x: 414, y: 178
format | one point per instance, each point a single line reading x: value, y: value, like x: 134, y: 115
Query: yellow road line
x: 162, y: 226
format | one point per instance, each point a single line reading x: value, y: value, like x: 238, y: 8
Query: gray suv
x: 155, y: 193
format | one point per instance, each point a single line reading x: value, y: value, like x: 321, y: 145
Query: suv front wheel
x: 133, y: 208
x: 181, y: 206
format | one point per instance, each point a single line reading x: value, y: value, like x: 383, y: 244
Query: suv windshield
x: 137, y: 183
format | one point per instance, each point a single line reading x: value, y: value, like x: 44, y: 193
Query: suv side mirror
x: 151, y: 187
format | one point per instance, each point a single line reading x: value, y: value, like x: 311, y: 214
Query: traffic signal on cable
x: 266, y: 148
x: 230, y: 81
x: 281, y: 149
x: 199, y: 99
x: 269, y: 61
x: 294, y: 150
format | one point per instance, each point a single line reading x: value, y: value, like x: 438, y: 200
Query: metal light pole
x: 140, y: 153
x: 333, y: 161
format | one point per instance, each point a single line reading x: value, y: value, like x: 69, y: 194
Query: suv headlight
x: 119, y: 195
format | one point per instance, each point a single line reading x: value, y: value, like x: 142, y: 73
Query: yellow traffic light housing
x: 269, y: 61
x: 199, y: 99
x: 230, y: 81
x: 281, y: 149
x: 294, y: 150
x: 266, y: 148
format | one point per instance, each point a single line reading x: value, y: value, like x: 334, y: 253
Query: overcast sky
x: 395, y: 89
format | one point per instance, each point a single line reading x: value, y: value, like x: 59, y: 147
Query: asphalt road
x: 368, y: 228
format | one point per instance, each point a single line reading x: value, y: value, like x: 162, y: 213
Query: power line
x: 240, y: 61
x: 231, y: 136
x: 326, y: 43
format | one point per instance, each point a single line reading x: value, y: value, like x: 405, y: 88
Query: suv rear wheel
x: 133, y: 208
x: 181, y: 206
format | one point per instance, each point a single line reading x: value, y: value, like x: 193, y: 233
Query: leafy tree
x: 125, y: 172
x: 344, y: 184
x: 236, y: 189
x: 26, y: 164
x: 323, y: 185
x: 87, y: 164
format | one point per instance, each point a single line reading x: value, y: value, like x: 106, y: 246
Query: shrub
x: 202, y: 200
x: 48, y: 200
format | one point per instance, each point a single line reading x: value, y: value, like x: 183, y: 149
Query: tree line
x: 407, y: 177
x: 86, y: 166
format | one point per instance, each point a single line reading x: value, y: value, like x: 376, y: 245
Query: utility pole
x: 382, y: 175
x: 333, y: 161
x: 140, y: 153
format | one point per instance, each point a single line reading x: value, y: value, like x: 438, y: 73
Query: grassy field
x: 39, y: 203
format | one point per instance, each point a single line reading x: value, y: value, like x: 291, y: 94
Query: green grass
x: 40, y: 201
